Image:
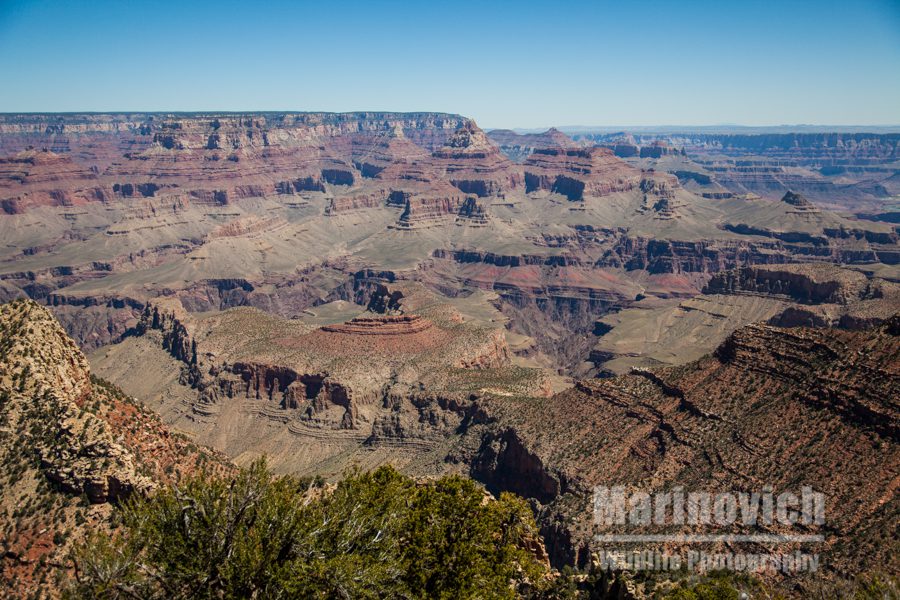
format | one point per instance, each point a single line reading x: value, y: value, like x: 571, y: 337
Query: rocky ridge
x: 46, y: 386
x: 851, y: 171
x: 764, y: 409
x: 519, y: 146
x: 577, y: 173
x: 70, y: 446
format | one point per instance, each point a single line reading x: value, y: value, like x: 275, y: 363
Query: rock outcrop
x: 518, y: 147
x: 806, y: 284
x: 652, y: 332
x: 46, y: 382
x: 578, y: 173
x: 45, y: 178
x: 70, y: 446
x: 401, y: 375
x: 474, y: 165
x: 850, y: 171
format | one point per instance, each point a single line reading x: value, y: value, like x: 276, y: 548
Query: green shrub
x: 718, y: 590
x: 375, y: 535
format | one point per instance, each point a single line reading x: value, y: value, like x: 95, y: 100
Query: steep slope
x: 578, y: 173
x: 70, y: 445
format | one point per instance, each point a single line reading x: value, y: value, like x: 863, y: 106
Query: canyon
x: 104, y: 213
x: 541, y: 312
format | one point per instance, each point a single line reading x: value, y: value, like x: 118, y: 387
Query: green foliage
x: 718, y: 585
x: 715, y: 590
x: 455, y: 543
x: 375, y: 535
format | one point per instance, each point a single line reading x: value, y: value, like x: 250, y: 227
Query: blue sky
x: 507, y: 64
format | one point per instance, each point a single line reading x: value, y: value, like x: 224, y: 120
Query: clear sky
x: 507, y: 64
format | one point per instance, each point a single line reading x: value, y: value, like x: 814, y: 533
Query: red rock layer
x: 579, y: 173
x: 384, y: 325
x: 214, y: 159
x: 36, y: 178
x: 427, y: 210
x: 472, y: 163
x: 352, y: 202
x: 376, y: 336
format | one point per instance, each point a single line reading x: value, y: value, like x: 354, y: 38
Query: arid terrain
x: 542, y: 312
x: 284, y: 212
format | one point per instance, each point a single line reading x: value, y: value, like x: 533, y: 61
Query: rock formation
x: 797, y: 201
x: 653, y: 332
x: 472, y: 163
x: 578, y: 173
x: 46, y: 381
x: 850, y: 171
x: 518, y: 147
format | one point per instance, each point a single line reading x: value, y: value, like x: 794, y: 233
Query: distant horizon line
x: 831, y: 127
x: 658, y: 127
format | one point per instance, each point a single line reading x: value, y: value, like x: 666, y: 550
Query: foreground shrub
x: 375, y: 535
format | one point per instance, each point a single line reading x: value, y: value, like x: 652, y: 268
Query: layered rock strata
x: 578, y: 173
